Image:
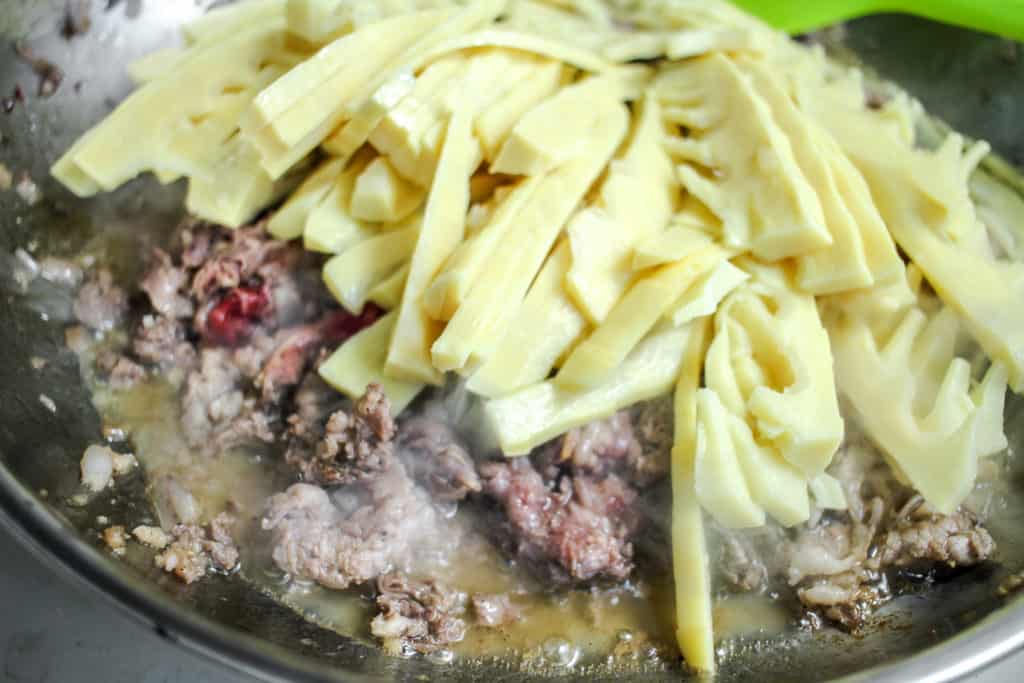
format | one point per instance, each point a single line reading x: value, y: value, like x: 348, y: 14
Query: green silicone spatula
x: 1002, y: 17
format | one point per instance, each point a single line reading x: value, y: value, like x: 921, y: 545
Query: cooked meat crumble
x: 436, y: 458
x: 194, y: 550
x: 954, y: 540
x: 101, y: 305
x: 741, y: 565
x: 635, y: 444
x: 572, y: 529
x: 419, y: 615
x: 353, y: 447
x: 165, y: 285
x: 317, y: 540
x: 115, y: 539
x: 841, y: 565
x: 160, y: 341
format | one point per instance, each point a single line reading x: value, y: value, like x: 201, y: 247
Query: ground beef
x: 653, y: 428
x: 115, y: 539
x: 167, y: 286
x: 634, y: 443
x: 954, y: 540
x: 353, y: 447
x: 220, y: 409
x: 296, y: 347
x: 250, y: 357
x: 834, y: 546
x: 421, y: 616
x: 220, y: 544
x: 251, y: 426
x: 494, y: 609
x: 230, y: 263
x: 573, y: 530
x: 371, y: 530
x: 313, y: 401
x: 847, y: 599
x: 830, y: 567
x: 244, y: 282
x: 841, y: 566
x: 213, y: 326
x: 432, y: 453
x: 153, y: 536
x: 101, y: 305
x: 216, y: 413
x: 599, y: 446
x: 196, y: 239
x: 160, y: 340
x: 569, y: 510
x: 741, y: 566
x: 194, y: 550
x: 212, y: 398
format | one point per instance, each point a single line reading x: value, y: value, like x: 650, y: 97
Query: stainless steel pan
x: 941, y: 633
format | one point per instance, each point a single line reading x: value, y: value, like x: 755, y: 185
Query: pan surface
x: 974, y: 82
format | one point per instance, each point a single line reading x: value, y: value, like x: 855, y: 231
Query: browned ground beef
x: 165, y: 284
x: 571, y: 511
x: 349, y: 446
x: 194, y: 550
x: 418, y: 615
x: 635, y: 444
x: 435, y: 457
x: 352, y: 447
x: 234, y: 316
x: 573, y: 529
x: 101, y: 305
x: 160, y: 341
x: 317, y: 540
x: 841, y: 566
x: 955, y: 540
x: 121, y: 372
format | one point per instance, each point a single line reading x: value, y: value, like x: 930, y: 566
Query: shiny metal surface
x: 936, y: 635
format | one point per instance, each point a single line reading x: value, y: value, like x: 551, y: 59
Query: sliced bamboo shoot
x: 444, y: 223
x: 635, y: 314
x: 691, y: 565
x: 352, y: 273
x: 527, y: 418
x: 360, y: 361
x: 523, y: 356
x: 478, y: 324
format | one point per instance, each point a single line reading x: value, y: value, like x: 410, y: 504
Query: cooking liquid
x: 601, y: 629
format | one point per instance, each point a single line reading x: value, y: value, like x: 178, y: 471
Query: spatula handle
x: 1001, y: 17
